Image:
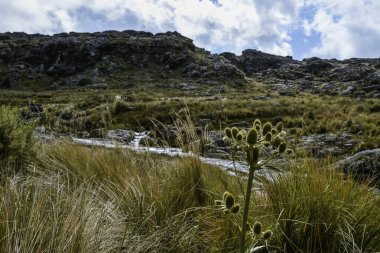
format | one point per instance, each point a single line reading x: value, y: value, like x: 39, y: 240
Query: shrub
x: 84, y: 81
x: 16, y: 135
x: 119, y: 107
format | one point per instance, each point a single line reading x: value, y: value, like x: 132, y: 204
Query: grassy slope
x: 88, y: 110
x: 77, y: 199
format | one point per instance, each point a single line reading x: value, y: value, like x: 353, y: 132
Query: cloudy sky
x: 302, y: 28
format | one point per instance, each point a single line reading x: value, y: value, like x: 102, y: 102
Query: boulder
x: 363, y: 165
x: 120, y: 135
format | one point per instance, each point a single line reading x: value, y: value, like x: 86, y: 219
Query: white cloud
x: 230, y: 25
x: 348, y: 28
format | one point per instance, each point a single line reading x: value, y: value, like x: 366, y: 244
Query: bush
x: 120, y: 107
x: 16, y: 136
x: 84, y: 81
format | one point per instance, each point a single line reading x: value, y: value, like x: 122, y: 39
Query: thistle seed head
x: 282, y: 147
x: 267, y: 235
x: 230, y: 201
x: 225, y: 194
x: 267, y: 128
x: 228, y: 132
x: 277, y: 141
x: 279, y: 126
x: 252, y: 136
x: 234, y: 131
x: 257, y: 227
x: 235, y: 208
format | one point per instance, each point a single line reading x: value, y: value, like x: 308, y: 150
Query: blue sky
x: 301, y: 28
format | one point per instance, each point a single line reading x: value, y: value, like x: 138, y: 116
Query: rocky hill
x: 131, y: 58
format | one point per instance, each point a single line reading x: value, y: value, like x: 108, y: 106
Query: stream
x: 227, y: 165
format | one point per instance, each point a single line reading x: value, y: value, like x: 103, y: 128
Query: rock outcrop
x: 80, y: 59
x: 134, y: 57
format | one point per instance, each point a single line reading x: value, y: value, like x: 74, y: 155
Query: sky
x: 338, y: 29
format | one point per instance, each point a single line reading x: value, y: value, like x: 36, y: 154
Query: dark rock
x: 322, y: 145
x: 363, y: 165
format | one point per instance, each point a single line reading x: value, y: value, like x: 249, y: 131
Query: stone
x: 120, y: 135
x: 363, y: 165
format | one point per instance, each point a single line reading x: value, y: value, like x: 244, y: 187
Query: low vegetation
x: 16, y: 137
x: 70, y: 198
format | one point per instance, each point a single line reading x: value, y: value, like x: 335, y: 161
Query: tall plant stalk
x: 253, y: 141
x: 246, y: 208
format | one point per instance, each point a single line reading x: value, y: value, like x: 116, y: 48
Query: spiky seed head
x: 267, y: 128
x: 252, y: 136
x: 218, y: 202
x: 230, y: 201
x: 234, y: 131
x: 226, y: 211
x: 225, y: 194
x: 282, y: 147
x: 274, y: 131
x: 279, y: 126
x: 257, y: 228
x: 268, y: 136
x: 235, y: 208
x: 266, y: 143
x: 257, y: 122
x: 228, y: 132
x: 255, y: 154
x: 239, y: 137
x: 258, y: 128
x: 267, y: 235
x: 277, y: 141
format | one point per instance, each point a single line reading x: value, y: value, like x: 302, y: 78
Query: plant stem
x: 246, y: 208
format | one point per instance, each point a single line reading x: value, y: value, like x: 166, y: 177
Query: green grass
x: 319, y: 210
x: 134, y: 108
x: 71, y: 198
x: 79, y: 199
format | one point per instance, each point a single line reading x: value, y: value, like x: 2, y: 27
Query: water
x: 135, y: 145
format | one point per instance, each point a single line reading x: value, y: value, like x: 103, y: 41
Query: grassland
x: 69, y: 198
x: 87, y: 110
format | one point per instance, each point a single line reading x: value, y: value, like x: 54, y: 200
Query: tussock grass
x: 320, y: 210
x: 140, y: 202
x: 80, y: 199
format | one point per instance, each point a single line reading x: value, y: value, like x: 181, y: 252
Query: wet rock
x: 120, y: 135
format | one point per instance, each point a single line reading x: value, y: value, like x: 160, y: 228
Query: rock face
x: 363, y: 165
x: 90, y: 59
x: 78, y: 59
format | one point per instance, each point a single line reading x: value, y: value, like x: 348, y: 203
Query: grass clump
x: 319, y: 210
x: 16, y: 136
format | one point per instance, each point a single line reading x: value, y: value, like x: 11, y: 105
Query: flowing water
x: 135, y: 145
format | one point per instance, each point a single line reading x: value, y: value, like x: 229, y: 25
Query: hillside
x: 132, y: 58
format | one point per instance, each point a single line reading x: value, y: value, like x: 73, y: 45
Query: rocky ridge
x: 100, y: 59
